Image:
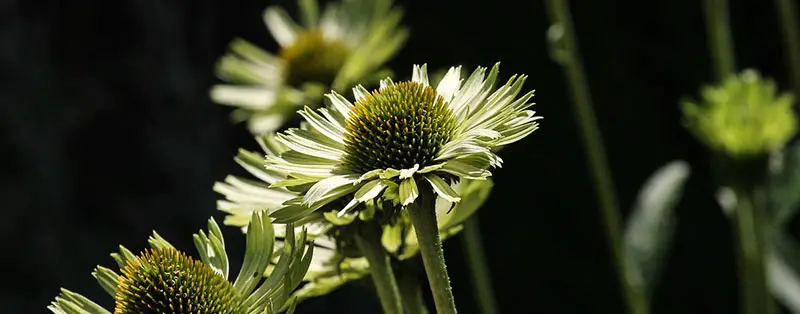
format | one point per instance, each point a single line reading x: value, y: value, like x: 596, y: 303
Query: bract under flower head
x: 165, y: 280
x: 346, y: 44
x: 744, y: 117
x: 399, y: 136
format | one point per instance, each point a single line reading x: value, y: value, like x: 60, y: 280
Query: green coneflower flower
x: 744, y: 117
x: 329, y: 269
x: 165, y: 280
x: 403, y: 134
x: 348, y: 43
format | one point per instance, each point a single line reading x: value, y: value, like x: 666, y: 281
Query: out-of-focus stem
x: 720, y: 44
x: 476, y: 259
x: 787, y: 14
x: 564, y: 50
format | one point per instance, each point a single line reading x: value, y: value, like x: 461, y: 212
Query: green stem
x: 369, y: 243
x: 423, y: 217
x: 476, y: 259
x: 411, y: 291
x: 787, y: 13
x: 564, y: 50
x: 750, y: 218
x: 720, y: 44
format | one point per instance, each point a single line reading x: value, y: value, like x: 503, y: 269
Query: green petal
x: 107, y: 279
x: 408, y: 191
x: 211, y: 248
x: 157, y: 242
x: 389, y: 173
x: 339, y: 220
x: 123, y: 257
x: 309, y: 13
x: 69, y: 302
x: 442, y: 188
x: 258, y: 252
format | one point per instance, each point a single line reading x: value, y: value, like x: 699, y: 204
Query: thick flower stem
x: 476, y: 259
x: 423, y: 217
x: 750, y: 218
x: 564, y: 50
x: 787, y: 13
x: 720, y: 43
x: 368, y: 241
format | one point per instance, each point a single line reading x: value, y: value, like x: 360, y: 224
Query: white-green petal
x: 407, y: 173
x: 359, y: 92
x: 280, y: 25
x: 328, y: 187
x: 465, y: 169
x: 431, y: 168
x: 370, y: 190
x: 370, y: 174
x: 442, y: 188
x: 420, y: 74
x: 408, y: 191
x: 389, y: 173
x: 341, y: 104
x: 249, y: 97
x: 449, y: 85
x: 322, y: 125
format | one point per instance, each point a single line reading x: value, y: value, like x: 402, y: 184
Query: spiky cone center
x: 167, y: 281
x: 397, y: 126
x: 313, y: 58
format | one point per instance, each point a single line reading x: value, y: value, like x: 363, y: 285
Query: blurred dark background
x: 107, y: 133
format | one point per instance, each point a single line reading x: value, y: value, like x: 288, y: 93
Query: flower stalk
x: 720, y: 44
x: 787, y: 14
x: 423, y: 217
x: 369, y: 243
x: 476, y: 260
x: 564, y: 50
x: 750, y: 219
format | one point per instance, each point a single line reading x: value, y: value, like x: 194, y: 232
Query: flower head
x: 348, y: 43
x: 330, y: 267
x: 165, y: 280
x: 391, y: 140
x: 743, y: 117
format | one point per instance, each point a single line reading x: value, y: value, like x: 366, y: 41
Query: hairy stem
x: 423, y: 217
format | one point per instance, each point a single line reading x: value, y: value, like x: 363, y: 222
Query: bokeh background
x: 107, y: 133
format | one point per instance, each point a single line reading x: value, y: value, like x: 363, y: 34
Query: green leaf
x: 649, y: 230
x: 783, y: 186
x: 474, y: 193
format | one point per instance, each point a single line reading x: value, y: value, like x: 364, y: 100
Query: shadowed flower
x: 347, y: 44
x: 743, y: 117
x: 330, y: 268
x: 389, y: 141
x: 165, y: 280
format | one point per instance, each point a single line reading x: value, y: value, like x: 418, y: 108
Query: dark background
x: 106, y: 133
